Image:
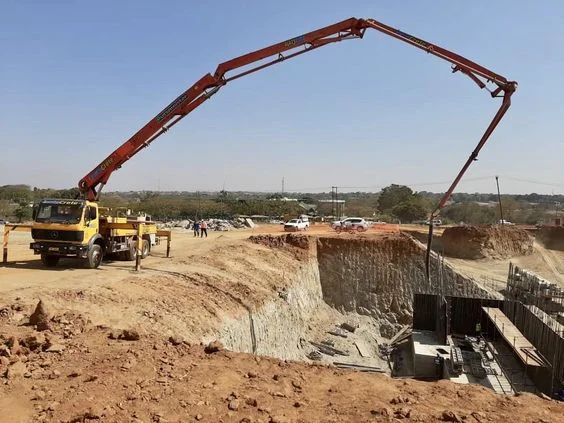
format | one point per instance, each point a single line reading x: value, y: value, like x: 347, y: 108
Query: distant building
x: 310, y: 209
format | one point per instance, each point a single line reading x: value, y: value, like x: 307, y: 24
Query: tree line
x: 392, y: 203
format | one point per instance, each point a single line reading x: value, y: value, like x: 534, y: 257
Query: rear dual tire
x: 145, y: 248
x: 132, y: 253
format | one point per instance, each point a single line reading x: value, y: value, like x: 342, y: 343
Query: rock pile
x: 213, y: 224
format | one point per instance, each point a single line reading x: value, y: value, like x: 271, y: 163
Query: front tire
x: 49, y: 261
x: 94, y: 256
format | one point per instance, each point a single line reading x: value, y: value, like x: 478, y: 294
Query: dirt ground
x: 548, y: 263
x: 79, y: 371
x: 96, y: 378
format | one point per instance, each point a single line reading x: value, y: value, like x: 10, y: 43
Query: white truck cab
x: 305, y: 218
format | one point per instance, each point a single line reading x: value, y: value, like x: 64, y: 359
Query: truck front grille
x: 54, y: 235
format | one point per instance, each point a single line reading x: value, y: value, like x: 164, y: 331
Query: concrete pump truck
x: 80, y: 228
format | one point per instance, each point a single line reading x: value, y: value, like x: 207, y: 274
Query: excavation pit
x: 285, y: 296
x: 366, y: 283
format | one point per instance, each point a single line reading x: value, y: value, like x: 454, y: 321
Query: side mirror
x: 34, y: 212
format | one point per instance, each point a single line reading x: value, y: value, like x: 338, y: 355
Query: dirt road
x: 26, y: 273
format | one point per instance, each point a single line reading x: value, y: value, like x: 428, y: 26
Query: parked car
x: 3, y: 222
x: 436, y: 222
x: 351, y: 223
x: 294, y: 225
x: 505, y: 222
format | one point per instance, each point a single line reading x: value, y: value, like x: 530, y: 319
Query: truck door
x: 91, y: 222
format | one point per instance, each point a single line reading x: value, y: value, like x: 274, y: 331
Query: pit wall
x: 277, y: 327
x: 342, y: 276
x: 380, y: 278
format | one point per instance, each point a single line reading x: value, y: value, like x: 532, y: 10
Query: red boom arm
x: 91, y: 185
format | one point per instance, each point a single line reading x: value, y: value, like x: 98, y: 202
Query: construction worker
x: 196, y: 227
x: 203, y: 229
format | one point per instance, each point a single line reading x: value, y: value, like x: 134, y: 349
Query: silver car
x: 351, y: 224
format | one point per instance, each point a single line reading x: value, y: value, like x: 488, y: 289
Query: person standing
x: 203, y: 228
x: 196, y: 227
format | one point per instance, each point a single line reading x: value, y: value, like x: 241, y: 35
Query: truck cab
x: 67, y: 228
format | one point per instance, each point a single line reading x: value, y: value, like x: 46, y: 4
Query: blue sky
x: 78, y: 78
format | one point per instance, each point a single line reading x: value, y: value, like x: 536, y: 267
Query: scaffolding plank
x: 513, y: 337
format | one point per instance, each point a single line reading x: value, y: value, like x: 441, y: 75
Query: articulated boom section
x: 91, y: 185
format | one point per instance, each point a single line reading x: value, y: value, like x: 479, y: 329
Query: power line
x: 416, y: 184
x: 548, y: 184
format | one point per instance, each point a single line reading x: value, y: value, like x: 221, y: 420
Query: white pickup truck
x: 294, y: 225
x: 305, y: 218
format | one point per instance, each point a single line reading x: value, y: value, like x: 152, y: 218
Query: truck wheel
x: 49, y: 261
x: 145, y: 248
x: 94, y: 256
x: 132, y: 253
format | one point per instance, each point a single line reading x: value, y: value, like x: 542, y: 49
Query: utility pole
x: 337, y: 202
x: 282, y: 186
x: 499, y: 199
x: 333, y: 201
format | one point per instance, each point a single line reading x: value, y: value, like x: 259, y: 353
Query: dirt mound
x: 476, y: 242
x: 293, y: 240
x: 552, y: 237
x: 40, y: 317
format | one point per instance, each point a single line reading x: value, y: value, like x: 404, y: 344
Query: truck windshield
x: 59, y: 212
